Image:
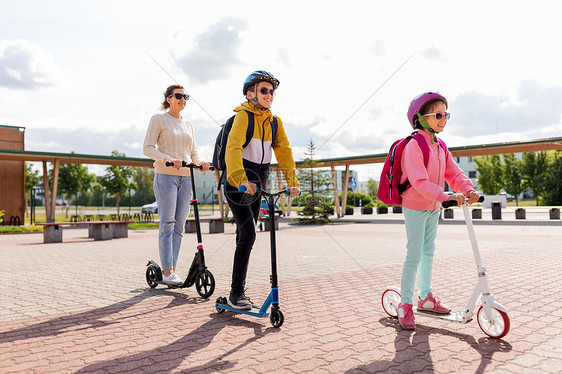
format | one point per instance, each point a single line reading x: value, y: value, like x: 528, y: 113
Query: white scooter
x: 491, y: 316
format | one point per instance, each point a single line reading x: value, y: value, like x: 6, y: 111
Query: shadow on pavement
x: 167, y: 358
x: 94, y: 318
x: 413, y: 353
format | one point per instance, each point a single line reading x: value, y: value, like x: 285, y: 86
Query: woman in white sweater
x: 170, y: 138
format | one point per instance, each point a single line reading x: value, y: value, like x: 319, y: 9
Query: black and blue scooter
x: 275, y: 316
x: 198, y: 273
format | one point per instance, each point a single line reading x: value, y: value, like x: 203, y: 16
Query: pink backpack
x: 390, y: 188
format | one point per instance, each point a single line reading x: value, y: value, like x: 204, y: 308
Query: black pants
x: 245, y: 209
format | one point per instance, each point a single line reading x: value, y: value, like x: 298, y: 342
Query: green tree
x: 372, y: 188
x: 358, y: 199
x: 513, y: 176
x: 489, y: 169
x: 535, y: 173
x: 315, y: 189
x: 118, y: 179
x: 73, y: 178
x: 144, y: 193
x: 553, y: 195
x: 32, y: 179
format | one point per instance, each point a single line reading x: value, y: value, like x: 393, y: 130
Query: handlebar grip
x: 243, y: 188
x: 186, y: 165
x: 448, y: 203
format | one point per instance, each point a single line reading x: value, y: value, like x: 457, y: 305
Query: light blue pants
x: 421, y: 230
x: 173, y: 195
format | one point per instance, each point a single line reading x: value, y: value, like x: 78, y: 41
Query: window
x: 472, y: 174
x: 469, y: 158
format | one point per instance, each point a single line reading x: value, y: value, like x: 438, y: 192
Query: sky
x: 86, y: 76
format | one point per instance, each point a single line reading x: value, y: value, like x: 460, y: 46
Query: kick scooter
x: 198, y: 273
x: 276, y: 316
x: 491, y: 316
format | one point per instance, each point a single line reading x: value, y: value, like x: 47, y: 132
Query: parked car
x: 507, y: 196
x: 265, y: 207
x: 150, y: 208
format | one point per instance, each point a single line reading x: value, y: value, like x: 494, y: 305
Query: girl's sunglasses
x: 439, y: 115
x: 180, y: 96
x: 265, y: 91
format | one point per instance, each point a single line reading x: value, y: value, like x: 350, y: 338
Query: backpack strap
x: 274, y: 127
x: 249, y: 134
x: 250, y: 129
x: 425, y: 152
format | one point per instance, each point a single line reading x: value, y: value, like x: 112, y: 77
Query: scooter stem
x: 473, y: 242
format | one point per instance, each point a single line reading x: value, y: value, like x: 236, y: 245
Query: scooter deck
x: 255, y: 312
x: 455, y: 317
x: 161, y: 283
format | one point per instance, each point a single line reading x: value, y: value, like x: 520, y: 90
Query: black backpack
x: 222, y: 138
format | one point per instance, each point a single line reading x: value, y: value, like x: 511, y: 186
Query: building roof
x: 535, y: 145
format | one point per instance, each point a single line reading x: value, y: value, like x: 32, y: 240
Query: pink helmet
x: 419, y: 102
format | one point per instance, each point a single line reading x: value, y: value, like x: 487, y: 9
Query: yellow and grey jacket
x: 252, y: 162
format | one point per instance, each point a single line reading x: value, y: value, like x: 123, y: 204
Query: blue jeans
x: 173, y: 195
x: 421, y: 230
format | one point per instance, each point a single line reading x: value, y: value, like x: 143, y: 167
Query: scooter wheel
x: 276, y: 318
x: 205, y: 284
x: 390, y: 300
x: 151, y: 276
x: 497, y: 327
x: 220, y: 300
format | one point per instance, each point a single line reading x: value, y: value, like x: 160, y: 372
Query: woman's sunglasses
x: 265, y: 91
x: 180, y: 96
x: 439, y: 115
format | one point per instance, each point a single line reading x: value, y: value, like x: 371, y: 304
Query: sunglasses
x: 179, y: 96
x: 265, y: 91
x: 439, y: 115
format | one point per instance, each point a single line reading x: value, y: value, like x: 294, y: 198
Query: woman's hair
x: 169, y: 91
x: 428, y: 108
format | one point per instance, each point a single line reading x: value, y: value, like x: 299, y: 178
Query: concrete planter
x: 477, y: 213
x: 496, y: 210
x: 366, y: 210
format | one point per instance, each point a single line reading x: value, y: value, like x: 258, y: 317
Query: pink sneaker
x: 406, y: 316
x: 433, y: 304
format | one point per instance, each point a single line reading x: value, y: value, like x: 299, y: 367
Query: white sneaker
x: 172, y: 279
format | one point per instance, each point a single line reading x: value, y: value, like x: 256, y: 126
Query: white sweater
x: 169, y: 138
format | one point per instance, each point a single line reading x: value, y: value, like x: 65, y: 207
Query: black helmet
x: 259, y: 76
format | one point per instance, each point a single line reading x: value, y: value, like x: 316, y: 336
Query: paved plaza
x: 84, y: 306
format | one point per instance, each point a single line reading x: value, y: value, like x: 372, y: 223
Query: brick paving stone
x: 331, y: 279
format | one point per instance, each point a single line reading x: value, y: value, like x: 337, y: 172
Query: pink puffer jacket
x: 426, y: 192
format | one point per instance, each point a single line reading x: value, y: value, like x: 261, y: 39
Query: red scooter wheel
x: 497, y: 327
x: 390, y: 300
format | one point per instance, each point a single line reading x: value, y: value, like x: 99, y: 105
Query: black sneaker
x: 239, y: 302
x: 247, y: 300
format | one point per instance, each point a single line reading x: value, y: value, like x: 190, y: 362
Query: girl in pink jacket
x: 422, y: 202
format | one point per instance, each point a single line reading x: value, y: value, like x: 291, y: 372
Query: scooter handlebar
x: 184, y: 164
x: 286, y: 191
x: 449, y: 203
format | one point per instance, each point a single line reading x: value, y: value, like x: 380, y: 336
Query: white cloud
x: 26, y: 65
x: 212, y: 52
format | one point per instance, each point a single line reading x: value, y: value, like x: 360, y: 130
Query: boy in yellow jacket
x: 249, y: 167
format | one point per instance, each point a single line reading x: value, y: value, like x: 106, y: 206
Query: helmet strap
x: 426, y: 126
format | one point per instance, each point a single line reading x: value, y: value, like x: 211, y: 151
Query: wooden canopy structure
x: 56, y: 159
